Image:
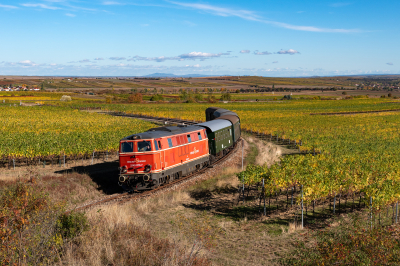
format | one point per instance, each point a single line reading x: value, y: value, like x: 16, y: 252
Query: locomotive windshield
x: 144, y: 146
x: 126, y: 147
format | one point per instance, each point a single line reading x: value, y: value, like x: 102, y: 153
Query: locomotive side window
x: 155, y: 145
x: 189, y: 138
x: 144, y: 146
x: 127, y: 147
x: 198, y: 134
x: 159, y: 144
x: 170, y: 143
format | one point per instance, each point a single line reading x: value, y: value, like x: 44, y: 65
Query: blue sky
x: 264, y: 38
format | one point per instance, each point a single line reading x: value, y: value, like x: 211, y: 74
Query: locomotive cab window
x: 126, y: 147
x: 144, y: 146
x: 155, y: 145
x: 170, y: 143
x: 189, y: 138
x: 198, y: 134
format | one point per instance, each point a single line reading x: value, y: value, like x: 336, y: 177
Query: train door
x: 157, y: 144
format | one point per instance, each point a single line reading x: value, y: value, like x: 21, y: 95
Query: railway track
x: 162, y: 120
x: 125, y: 197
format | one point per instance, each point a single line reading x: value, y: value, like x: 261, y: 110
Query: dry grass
x: 120, y: 236
x: 268, y: 153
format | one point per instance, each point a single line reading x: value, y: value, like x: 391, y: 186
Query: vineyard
x: 29, y: 133
x: 356, y: 153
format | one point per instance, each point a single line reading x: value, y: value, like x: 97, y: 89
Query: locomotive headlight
x: 122, y: 178
x: 123, y: 169
x: 147, y: 168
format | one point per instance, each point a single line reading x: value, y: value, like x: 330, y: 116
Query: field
x: 42, y: 131
x: 358, y: 151
x: 344, y: 149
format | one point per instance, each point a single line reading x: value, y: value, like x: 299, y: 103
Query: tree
x: 135, y: 98
x: 198, y: 97
x: 226, y: 97
x: 184, y: 95
x: 42, y: 86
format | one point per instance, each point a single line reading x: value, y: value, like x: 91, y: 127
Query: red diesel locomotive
x: 163, y: 154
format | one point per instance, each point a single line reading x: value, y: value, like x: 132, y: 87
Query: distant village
x: 19, y: 88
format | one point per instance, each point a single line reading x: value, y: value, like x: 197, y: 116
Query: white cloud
x: 290, y: 51
x: 27, y: 63
x: 8, y: 6
x: 193, y: 66
x: 99, y: 58
x: 245, y: 51
x: 70, y: 15
x: 117, y: 58
x: 252, y: 16
x: 390, y: 64
x: 44, y: 6
x: 275, y: 62
x: 84, y: 61
x: 200, y: 55
x: 256, y: 52
x: 189, y: 56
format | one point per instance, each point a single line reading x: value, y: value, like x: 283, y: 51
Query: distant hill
x: 168, y: 75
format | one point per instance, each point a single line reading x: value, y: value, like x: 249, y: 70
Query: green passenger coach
x: 220, y: 135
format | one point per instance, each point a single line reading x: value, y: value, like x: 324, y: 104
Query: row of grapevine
x: 359, y: 152
x: 45, y: 131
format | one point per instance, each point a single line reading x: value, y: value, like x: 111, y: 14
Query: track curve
x: 125, y: 197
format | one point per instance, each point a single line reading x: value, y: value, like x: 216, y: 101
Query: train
x: 160, y: 155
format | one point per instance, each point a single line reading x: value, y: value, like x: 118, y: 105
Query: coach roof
x: 160, y: 132
x: 215, y: 125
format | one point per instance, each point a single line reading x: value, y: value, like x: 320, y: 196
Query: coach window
x: 126, y: 147
x: 144, y: 146
x: 198, y: 134
x: 170, y: 143
x: 189, y: 138
x: 155, y: 145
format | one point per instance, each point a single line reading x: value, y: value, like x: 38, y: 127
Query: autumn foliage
x: 28, y: 233
x: 135, y: 98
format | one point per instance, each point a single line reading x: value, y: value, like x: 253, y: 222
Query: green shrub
x: 156, y: 98
x: 198, y: 97
x: 226, y: 97
x: 72, y: 224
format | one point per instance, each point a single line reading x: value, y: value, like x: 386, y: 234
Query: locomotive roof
x: 215, y: 125
x: 160, y: 132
